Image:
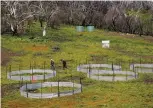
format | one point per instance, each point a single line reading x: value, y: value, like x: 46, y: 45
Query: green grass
x: 139, y: 67
x: 53, y: 89
x: 100, y: 68
x: 28, y: 74
x: 111, y: 75
x: 79, y: 48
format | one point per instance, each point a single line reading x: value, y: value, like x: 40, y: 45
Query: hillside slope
x: 78, y: 48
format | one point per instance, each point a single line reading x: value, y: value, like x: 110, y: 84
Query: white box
x: 105, y: 44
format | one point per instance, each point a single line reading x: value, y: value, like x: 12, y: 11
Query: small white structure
x: 105, y: 44
x: 44, y: 31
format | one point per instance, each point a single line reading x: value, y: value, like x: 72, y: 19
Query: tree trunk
x: 15, y: 31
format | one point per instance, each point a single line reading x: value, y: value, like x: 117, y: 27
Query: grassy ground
x: 54, y: 89
x: 111, y: 75
x: 78, y: 48
x: 29, y: 74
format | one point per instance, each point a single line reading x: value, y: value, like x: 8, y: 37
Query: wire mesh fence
x: 75, y: 88
x: 33, y: 81
x: 142, y: 68
x: 109, y: 72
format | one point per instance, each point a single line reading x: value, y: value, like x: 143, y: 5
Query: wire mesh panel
x: 25, y: 88
x: 29, y: 74
x: 113, y: 74
x: 142, y: 68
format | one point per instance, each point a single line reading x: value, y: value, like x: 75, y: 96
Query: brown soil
x: 148, y: 57
x: 148, y: 38
x: 149, y: 81
x: 36, y: 48
x: 6, y: 56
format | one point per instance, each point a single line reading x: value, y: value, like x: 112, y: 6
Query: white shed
x: 105, y: 43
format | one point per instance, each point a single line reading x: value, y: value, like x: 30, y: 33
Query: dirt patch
x: 36, y: 48
x: 148, y: 57
x: 127, y: 35
x: 148, y: 38
x: 6, y: 55
x: 149, y: 81
x: 42, y: 104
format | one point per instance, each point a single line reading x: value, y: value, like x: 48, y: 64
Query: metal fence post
x: 112, y: 67
x: 130, y: 64
x: 44, y: 76
x: 41, y: 89
x: 152, y: 63
x: 26, y: 90
x: 133, y: 67
x: 44, y: 70
x: 98, y: 74
x: 81, y: 84
x: 113, y: 78
x: 134, y: 71
x: 10, y: 71
x: 140, y: 64
x: 6, y: 72
x: 51, y: 87
x: 120, y: 66
x: 58, y: 89
x: 20, y: 72
x: 113, y: 72
x: 22, y: 81
x: 126, y: 74
x: 73, y: 87
x: 44, y: 65
x: 89, y: 70
x: 32, y: 75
